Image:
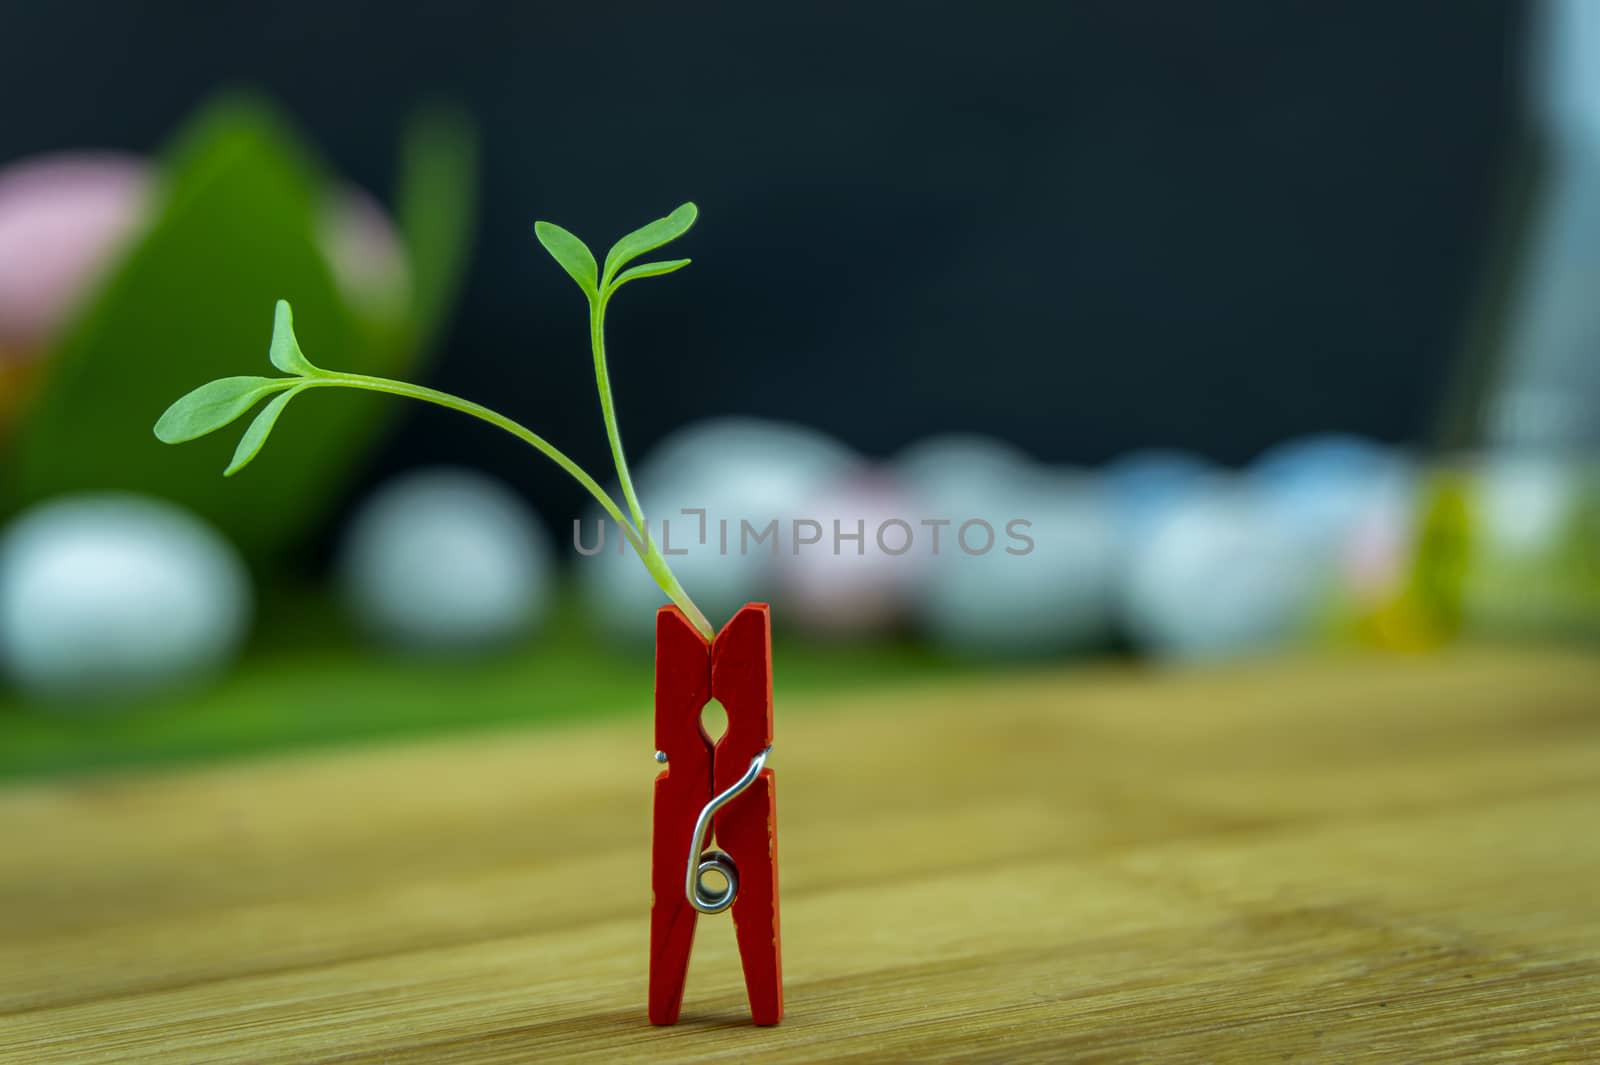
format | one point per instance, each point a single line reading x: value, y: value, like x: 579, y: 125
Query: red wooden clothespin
x: 723, y: 788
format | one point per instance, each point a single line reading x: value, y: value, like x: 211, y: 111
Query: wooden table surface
x: 1327, y: 860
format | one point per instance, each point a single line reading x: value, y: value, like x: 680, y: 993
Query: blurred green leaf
x: 256, y: 436
x: 285, y: 351
x: 212, y: 406
x: 573, y: 254
x: 435, y: 202
x: 648, y: 238
x: 235, y: 230
x: 634, y: 273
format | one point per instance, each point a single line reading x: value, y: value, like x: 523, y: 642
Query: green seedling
x: 213, y: 406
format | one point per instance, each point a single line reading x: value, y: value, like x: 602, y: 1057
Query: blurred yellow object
x: 1427, y: 611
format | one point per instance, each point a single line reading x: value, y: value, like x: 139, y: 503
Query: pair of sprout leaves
x: 218, y: 404
x: 212, y: 406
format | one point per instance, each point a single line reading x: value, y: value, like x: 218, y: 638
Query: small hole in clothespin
x: 713, y: 720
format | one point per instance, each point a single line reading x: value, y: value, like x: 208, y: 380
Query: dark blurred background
x: 1276, y: 322
x: 1211, y: 226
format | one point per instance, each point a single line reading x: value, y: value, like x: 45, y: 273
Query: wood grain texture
x: 1389, y: 860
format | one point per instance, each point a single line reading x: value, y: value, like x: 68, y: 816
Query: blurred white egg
x: 1220, y: 575
x: 1527, y: 501
x: 446, y: 560
x: 109, y: 595
x: 1026, y: 569
x: 864, y: 564
x: 777, y: 461
x: 738, y: 471
x: 1042, y: 585
x: 957, y: 472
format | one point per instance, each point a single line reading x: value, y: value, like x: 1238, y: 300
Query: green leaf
x: 648, y: 238
x: 212, y: 406
x: 285, y: 351
x: 573, y: 254
x: 435, y: 202
x: 234, y: 225
x: 634, y: 273
x: 256, y: 436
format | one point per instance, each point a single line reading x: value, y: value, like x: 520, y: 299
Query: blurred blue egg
x: 1142, y: 486
x: 1043, y: 583
x: 737, y: 470
x: 1220, y: 575
x: 446, y: 560
x: 104, y: 596
x: 1324, y: 488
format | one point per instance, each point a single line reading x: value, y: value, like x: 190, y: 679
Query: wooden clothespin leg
x: 723, y: 788
x: 683, y: 685
x: 747, y: 828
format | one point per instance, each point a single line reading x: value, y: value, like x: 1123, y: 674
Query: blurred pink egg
x: 856, y: 582
x: 1375, y: 559
x: 364, y: 252
x: 63, y: 217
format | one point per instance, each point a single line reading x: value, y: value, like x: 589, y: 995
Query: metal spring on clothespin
x: 703, y: 862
